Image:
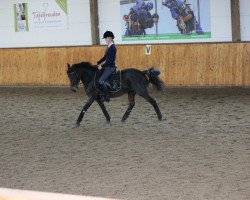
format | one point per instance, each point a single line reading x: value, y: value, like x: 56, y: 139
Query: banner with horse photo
x: 41, y: 15
x: 165, y: 19
x: 21, y: 17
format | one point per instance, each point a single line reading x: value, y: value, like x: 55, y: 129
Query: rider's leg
x: 188, y: 29
x: 107, y: 72
x: 198, y: 28
x: 105, y: 91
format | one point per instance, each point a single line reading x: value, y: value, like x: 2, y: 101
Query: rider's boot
x: 105, y: 91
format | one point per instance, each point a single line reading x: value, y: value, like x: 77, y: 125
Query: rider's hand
x: 99, y: 67
x: 181, y: 18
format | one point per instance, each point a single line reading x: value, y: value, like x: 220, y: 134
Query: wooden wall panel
x: 209, y: 64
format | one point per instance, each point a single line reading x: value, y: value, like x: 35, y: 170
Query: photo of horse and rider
x: 165, y: 19
x: 21, y: 21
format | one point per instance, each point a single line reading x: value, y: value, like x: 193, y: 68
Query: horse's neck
x: 87, y: 77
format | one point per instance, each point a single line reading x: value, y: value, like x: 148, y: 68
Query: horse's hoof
x: 108, y: 121
x: 160, y: 119
x: 123, y: 120
x: 77, y: 124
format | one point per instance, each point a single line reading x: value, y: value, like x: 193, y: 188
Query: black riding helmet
x: 108, y: 34
x: 155, y: 16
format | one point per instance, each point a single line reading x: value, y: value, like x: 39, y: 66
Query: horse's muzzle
x: 73, y: 88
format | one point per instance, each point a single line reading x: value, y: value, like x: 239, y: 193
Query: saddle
x: 113, y: 82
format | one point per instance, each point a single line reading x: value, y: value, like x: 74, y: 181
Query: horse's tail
x: 152, y: 75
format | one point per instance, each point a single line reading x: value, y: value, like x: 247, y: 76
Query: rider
x: 109, y: 66
x: 184, y: 16
x: 141, y: 17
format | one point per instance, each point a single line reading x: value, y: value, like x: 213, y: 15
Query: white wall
x: 78, y: 33
x: 245, y: 19
x: 109, y: 14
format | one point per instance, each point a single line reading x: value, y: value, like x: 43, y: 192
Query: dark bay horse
x: 133, y: 82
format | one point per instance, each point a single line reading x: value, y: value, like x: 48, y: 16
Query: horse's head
x: 73, y: 77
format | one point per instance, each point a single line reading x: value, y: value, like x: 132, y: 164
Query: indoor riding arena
x: 177, y: 126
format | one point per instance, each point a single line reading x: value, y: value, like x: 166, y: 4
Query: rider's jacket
x: 109, y: 57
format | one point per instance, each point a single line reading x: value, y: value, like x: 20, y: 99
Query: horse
x: 132, y: 81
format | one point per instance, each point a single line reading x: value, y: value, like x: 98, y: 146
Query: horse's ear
x: 68, y: 65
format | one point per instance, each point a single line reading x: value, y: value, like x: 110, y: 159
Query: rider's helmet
x: 108, y: 34
x: 149, y: 6
x: 155, y: 16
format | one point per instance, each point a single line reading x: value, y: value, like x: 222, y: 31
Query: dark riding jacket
x: 109, y: 57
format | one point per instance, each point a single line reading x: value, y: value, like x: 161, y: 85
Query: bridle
x: 77, y: 78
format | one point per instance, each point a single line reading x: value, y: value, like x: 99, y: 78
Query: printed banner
x: 165, y: 19
x: 44, y: 15
x: 21, y: 17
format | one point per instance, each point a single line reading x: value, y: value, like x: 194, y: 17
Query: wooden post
x: 235, y: 16
x: 94, y: 22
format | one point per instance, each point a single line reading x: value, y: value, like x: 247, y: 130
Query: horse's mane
x: 86, y: 65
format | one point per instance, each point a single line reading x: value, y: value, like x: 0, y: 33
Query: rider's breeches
x: 107, y: 72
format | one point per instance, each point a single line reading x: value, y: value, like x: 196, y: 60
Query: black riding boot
x: 105, y: 91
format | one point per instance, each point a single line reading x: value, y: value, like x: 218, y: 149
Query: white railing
x: 11, y: 194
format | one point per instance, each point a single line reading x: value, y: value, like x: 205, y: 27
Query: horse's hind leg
x: 131, y: 99
x: 105, y: 112
x: 146, y: 96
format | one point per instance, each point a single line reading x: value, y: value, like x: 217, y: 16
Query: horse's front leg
x: 84, y: 110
